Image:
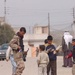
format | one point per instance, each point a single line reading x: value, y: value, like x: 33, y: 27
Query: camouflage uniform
x: 20, y: 67
x: 18, y: 55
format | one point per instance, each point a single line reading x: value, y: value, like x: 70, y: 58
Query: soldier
x: 17, y: 46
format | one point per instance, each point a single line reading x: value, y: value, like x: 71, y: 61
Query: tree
x: 6, y: 33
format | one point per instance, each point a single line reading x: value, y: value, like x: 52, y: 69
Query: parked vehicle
x: 3, y: 49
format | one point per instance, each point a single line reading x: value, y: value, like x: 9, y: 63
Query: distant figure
x: 46, y: 42
x: 67, y: 48
x: 37, y: 51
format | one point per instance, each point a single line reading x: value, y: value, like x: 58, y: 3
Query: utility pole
x: 4, y: 10
x: 48, y: 24
x: 4, y: 20
x: 73, y: 26
x: 73, y: 13
x: 29, y: 37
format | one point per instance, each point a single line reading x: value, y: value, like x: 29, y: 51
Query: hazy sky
x: 31, y: 12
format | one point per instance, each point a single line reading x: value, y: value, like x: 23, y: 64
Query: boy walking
x: 9, y: 54
x: 42, y: 60
x: 52, y: 57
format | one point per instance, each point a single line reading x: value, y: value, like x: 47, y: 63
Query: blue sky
x: 32, y: 12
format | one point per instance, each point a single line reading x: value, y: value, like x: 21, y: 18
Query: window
x: 44, y: 29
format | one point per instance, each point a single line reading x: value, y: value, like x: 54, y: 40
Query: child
x: 42, y: 60
x: 51, y: 50
x: 72, y: 54
x: 9, y: 54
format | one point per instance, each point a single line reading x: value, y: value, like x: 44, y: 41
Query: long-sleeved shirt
x: 9, y: 52
x: 72, y: 54
x: 43, y: 58
x: 51, y: 55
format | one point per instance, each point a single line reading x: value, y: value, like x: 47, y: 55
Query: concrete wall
x: 37, y: 30
x: 36, y: 39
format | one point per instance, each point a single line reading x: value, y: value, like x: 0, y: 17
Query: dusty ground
x: 32, y: 69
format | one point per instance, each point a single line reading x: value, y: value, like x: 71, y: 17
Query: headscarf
x: 68, y: 38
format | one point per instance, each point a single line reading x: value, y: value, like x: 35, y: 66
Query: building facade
x: 40, y: 29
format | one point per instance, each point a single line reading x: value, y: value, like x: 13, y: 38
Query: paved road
x: 32, y: 69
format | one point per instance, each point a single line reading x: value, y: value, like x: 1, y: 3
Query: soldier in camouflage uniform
x: 17, y: 45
